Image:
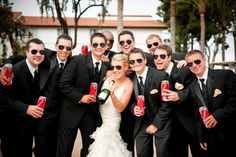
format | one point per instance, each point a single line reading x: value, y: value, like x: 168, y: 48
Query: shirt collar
x: 204, y: 76
x: 170, y: 67
x: 31, y: 68
x: 144, y: 74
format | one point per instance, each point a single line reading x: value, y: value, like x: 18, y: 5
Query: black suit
x: 25, y: 92
x: 74, y: 83
x: 46, y: 138
x: 221, y: 103
x: 157, y: 113
x: 183, y: 126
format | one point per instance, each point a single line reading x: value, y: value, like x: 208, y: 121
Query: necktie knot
x: 61, y: 66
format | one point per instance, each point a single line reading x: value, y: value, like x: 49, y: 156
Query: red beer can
x: 93, y: 89
x: 84, y: 50
x: 140, y: 103
x: 164, y: 85
x: 8, y: 73
x: 204, y: 112
x: 41, y: 102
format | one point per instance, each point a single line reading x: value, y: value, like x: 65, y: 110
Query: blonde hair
x: 120, y: 57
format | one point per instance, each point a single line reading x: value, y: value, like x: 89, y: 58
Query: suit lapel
x: 103, y: 71
x: 135, y: 84
x: 210, y: 86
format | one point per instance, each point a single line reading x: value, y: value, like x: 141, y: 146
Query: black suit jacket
x: 74, y: 83
x: 221, y: 91
x: 157, y: 112
x: 183, y: 109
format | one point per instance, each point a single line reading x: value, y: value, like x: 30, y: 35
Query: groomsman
x: 29, y: 80
x: 79, y: 109
x: 214, y: 90
x: 183, y: 131
x: 155, y: 125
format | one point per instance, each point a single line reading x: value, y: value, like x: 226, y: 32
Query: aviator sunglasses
x: 128, y: 42
x: 118, y: 67
x: 34, y: 52
x: 95, y: 45
x: 140, y: 60
x: 197, y: 62
x: 162, y: 56
x: 61, y: 47
x: 154, y: 44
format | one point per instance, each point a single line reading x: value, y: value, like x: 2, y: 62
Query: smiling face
x: 98, y: 47
x: 152, y: 44
x: 35, y: 59
x: 126, y: 43
x: 137, y: 62
x: 161, y: 59
x: 196, y: 63
x: 63, y: 48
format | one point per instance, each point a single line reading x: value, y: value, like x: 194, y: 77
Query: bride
x: 108, y: 141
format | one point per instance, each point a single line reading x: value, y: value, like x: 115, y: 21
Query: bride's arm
x: 120, y: 105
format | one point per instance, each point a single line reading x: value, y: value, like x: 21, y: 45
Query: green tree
x: 11, y: 29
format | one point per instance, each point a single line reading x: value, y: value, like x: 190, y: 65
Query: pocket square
x: 217, y: 92
x: 154, y: 91
x: 179, y: 86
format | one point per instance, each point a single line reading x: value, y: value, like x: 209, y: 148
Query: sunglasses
x: 197, y: 62
x: 118, y: 67
x: 128, y: 42
x: 111, y: 41
x: 154, y: 44
x: 140, y: 60
x: 162, y: 56
x: 61, y: 47
x: 95, y: 45
x: 34, y: 52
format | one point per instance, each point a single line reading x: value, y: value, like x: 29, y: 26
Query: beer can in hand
x: 84, y: 50
x: 164, y: 85
x: 141, y: 103
x: 204, y: 112
x: 93, y: 89
x: 8, y: 73
x: 41, y: 102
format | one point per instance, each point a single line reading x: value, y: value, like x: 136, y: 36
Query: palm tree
x: 120, y: 24
x: 172, y: 24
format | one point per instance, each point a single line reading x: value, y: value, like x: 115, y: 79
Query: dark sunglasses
x: 61, y: 47
x: 127, y: 42
x: 140, y: 60
x: 162, y: 56
x: 118, y: 67
x: 111, y: 41
x: 154, y: 44
x: 95, y: 45
x: 34, y: 52
x: 197, y: 62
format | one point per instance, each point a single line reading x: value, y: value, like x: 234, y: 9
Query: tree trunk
x: 60, y: 18
x: 234, y: 35
x: 120, y: 24
x: 203, y: 30
x: 172, y: 24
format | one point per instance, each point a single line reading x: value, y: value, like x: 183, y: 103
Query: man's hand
x: 210, y: 122
x: 171, y: 95
x: 151, y: 129
x: 88, y: 99
x: 35, y: 111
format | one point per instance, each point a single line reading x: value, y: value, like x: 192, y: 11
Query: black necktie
x: 61, y: 66
x: 141, y: 86
x: 204, y: 90
x: 36, y: 79
x: 96, y: 68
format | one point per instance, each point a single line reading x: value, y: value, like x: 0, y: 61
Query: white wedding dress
x: 108, y: 142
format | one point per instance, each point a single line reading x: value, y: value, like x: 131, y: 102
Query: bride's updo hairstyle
x: 122, y: 58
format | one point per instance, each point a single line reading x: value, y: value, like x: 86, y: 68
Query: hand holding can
x: 41, y: 102
x: 7, y: 73
x: 93, y: 89
x: 141, y: 103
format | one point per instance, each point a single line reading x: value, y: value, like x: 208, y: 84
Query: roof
x: 37, y: 21
x: 16, y: 15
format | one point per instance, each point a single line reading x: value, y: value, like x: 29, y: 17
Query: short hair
x: 126, y: 32
x: 34, y: 40
x: 64, y: 36
x: 194, y: 52
x: 97, y: 35
x: 136, y: 51
x: 109, y: 33
x: 154, y: 36
x: 120, y: 57
x: 165, y: 47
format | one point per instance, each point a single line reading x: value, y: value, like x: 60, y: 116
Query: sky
x: 131, y: 7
